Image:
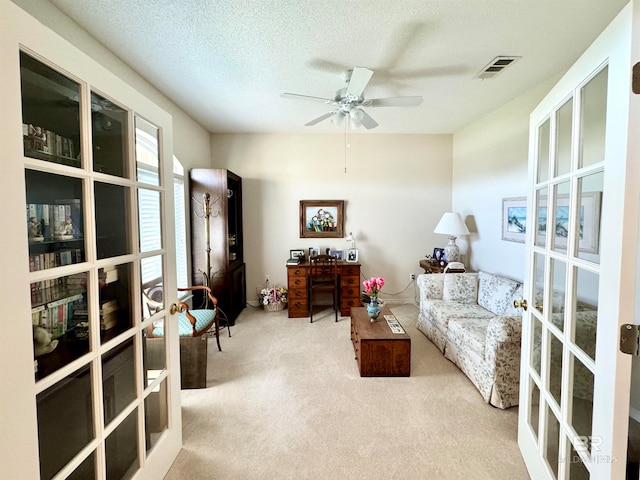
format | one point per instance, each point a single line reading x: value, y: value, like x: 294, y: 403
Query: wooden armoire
x: 223, y: 217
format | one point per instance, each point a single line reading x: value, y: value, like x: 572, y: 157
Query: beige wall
x: 489, y: 164
x: 395, y: 188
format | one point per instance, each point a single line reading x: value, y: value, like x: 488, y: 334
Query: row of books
x: 42, y: 261
x: 37, y: 138
x: 58, y: 316
x: 46, y: 291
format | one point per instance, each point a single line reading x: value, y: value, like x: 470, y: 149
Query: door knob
x: 520, y: 304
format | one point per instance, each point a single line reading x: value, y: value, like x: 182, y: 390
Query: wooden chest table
x: 379, y: 351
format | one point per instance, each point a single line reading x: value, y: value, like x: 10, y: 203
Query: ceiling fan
x: 350, y: 101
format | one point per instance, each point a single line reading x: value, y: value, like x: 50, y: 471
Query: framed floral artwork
x: 321, y: 218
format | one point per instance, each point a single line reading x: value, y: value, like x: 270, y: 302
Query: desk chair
x: 323, y: 278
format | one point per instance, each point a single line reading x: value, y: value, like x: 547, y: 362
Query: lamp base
x: 451, y: 251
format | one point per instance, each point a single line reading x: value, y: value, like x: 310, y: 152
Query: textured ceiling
x: 226, y: 62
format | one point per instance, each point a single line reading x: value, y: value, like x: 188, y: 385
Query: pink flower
x: 373, y: 286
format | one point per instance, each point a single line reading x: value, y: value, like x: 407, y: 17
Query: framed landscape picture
x: 514, y: 219
x: 321, y: 218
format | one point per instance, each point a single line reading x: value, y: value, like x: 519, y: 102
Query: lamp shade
x: 451, y: 224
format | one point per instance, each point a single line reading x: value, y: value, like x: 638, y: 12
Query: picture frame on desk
x: 352, y: 255
x: 339, y: 254
x: 314, y: 251
x: 299, y: 253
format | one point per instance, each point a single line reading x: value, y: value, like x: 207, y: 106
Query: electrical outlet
x: 266, y: 278
x: 412, y: 276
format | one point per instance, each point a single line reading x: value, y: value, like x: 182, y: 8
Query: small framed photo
x: 438, y: 255
x: 313, y: 251
x: 352, y: 255
x: 296, y: 254
x: 337, y: 253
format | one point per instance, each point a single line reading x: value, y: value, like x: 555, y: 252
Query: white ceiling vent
x: 496, y: 66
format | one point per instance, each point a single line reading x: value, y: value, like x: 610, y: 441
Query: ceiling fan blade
x: 359, y: 79
x: 368, y: 122
x: 308, y: 97
x: 394, y: 102
x: 319, y: 119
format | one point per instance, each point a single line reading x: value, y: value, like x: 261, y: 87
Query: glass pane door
x: 99, y: 267
x: 557, y: 411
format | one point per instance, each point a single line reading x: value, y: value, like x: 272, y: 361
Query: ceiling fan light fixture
x: 338, y: 119
x: 356, y: 117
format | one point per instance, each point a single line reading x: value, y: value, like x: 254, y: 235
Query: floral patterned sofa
x: 470, y: 317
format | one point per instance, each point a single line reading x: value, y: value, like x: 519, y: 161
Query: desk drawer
x: 296, y: 272
x: 350, y: 281
x: 297, y: 283
x: 351, y: 270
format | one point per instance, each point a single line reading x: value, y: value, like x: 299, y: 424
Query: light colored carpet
x: 285, y: 401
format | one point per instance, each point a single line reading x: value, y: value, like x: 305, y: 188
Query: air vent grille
x: 496, y: 66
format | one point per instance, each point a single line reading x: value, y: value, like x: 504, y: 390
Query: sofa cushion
x: 442, y: 312
x: 496, y: 293
x: 460, y: 287
x: 469, y: 334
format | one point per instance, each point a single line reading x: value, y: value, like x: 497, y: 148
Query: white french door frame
x: 618, y: 253
x: 18, y: 421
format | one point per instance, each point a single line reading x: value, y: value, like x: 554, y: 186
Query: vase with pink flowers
x: 373, y: 287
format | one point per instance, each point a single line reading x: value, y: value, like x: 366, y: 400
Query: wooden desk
x: 349, y: 274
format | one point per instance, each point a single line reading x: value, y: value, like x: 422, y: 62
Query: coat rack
x: 206, y: 215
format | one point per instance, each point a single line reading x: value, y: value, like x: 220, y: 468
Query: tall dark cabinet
x: 227, y: 269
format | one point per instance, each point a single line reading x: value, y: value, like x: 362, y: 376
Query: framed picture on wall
x: 321, y: 218
x: 514, y: 219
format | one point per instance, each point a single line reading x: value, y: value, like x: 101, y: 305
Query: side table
x: 432, y: 267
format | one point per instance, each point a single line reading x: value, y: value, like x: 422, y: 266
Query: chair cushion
x: 204, y: 318
x: 460, y: 287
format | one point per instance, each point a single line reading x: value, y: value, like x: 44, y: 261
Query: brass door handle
x: 520, y: 304
x: 175, y: 308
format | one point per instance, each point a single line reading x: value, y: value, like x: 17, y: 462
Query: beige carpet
x: 285, y: 401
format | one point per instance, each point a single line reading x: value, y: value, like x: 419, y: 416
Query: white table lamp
x: 451, y: 224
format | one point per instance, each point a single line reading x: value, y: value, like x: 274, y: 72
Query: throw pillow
x: 460, y: 287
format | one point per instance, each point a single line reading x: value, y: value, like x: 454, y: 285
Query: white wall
x: 489, y: 164
x: 396, y: 188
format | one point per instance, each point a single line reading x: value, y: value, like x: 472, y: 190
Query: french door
x: 583, y: 199
x: 91, y: 160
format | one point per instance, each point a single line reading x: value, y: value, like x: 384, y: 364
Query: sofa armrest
x: 502, y: 330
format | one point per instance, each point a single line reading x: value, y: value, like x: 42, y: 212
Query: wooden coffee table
x: 379, y: 351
